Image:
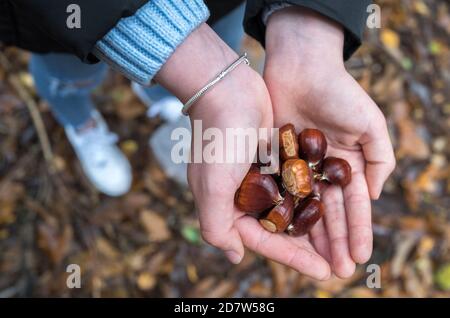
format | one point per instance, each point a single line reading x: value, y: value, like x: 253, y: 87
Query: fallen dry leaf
x: 155, y: 225
x: 146, y: 281
x: 105, y: 248
x: 53, y: 242
x: 259, y: 289
x: 390, y: 38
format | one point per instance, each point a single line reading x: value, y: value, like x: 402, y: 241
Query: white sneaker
x: 168, y: 108
x: 102, y: 161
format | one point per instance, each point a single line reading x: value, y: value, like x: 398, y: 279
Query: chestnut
x: 288, y: 142
x: 305, y: 216
x: 296, y: 177
x: 336, y: 171
x: 258, y: 192
x: 278, y: 219
x: 319, y: 187
x: 313, y: 146
x: 267, y: 160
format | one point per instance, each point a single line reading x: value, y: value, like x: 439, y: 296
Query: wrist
x: 196, y: 62
x: 306, y: 37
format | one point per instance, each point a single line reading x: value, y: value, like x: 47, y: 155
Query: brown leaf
x: 421, y: 8
x: 390, y: 38
x: 128, y: 106
x: 258, y: 289
x: 202, y: 288
x: 360, y: 292
x: 224, y: 289
x: 146, y: 281
x: 191, y: 272
x: 157, y: 261
x: 412, y: 223
x: 410, y: 142
x: 105, y: 248
x: 336, y: 285
x: 432, y: 174
x: 155, y: 225
x: 136, y: 260
x: 7, y: 214
x: 136, y: 200
x: 54, y: 243
x: 11, y: 191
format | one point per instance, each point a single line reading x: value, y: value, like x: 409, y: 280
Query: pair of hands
x: 304, y: 83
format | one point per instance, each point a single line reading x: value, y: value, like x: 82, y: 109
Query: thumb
x: 217, y: 228
x: 215, y: 203
x: 229, y: 241
x: 379, y: 155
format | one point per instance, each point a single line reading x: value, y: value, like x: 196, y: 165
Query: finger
x: 295, y: 253
x: 217, y: 229
x: 359, y: 221
x: 216, y: 211
x: 336, y: 224
x: 379, y: 155
x: 320, y: 240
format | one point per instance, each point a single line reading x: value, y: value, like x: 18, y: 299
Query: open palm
x: 214, y: 187
x: 356, y: 131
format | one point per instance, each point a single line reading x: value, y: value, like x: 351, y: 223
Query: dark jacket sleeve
x: 97, y: 18
x: 351, y: 14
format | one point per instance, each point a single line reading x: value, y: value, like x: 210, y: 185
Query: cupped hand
x: 310, y: 88
x: 240, y: 100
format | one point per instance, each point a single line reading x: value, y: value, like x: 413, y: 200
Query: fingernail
x: 327, y: 276
x: 363, y: 253
x: 375, y: 196
x: 233, y: 257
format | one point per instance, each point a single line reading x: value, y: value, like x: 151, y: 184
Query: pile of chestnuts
x: 291, y: 200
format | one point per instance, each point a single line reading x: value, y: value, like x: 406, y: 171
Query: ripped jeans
x: 66, y: 83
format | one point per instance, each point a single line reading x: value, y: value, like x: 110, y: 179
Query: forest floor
x: 147, y: 243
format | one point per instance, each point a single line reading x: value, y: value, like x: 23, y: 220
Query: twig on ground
x: 32, y: 108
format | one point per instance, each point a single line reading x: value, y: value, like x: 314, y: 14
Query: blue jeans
x: 66, y: 83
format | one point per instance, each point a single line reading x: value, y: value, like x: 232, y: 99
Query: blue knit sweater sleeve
x: 139, y: 45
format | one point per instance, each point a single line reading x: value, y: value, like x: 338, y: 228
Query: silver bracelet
x: 218, y: 78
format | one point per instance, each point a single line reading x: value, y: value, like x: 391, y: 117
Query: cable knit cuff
x: 138, y: 46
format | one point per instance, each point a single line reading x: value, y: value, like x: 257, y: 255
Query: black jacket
x: 351, y: 14
x: 40, y: 25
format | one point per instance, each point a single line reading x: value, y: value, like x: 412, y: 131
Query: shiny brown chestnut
x: 336, y: 171
x: 319, y: 187
x: 265, y: 158
x: 313, y: 146
x: 278, y: 219
x: 305, y: 216
x: 296, y: 177
x: 288, y: 142
x: 258, y: 192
